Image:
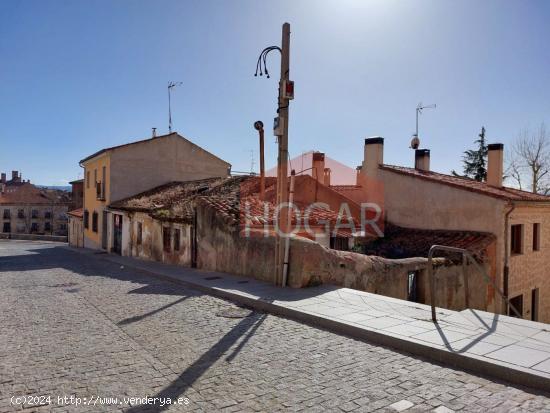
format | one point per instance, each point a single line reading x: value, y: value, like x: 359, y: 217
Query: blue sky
x: 77, y: 76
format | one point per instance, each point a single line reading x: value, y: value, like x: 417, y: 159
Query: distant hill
x: 59, y: 188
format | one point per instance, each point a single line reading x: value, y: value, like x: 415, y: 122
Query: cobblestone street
x: 82, y: 326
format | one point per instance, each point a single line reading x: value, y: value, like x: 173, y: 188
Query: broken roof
x: 399, y: 242
x: 171, y: 202
x: 505, y: 193
x: 234, y: 199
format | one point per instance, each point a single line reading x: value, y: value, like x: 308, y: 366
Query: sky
x: 78, y: 76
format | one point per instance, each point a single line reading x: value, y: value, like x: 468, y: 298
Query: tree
x: 530, y: 160
x: 475, y: 160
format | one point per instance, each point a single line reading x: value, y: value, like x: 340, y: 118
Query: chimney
x: 422, y: 159
x: 373, y: 156
x: 326, y: 177
x: 495, y: 162
x: 154, y: 132
x: 3, y: 178
x: 318, y: 166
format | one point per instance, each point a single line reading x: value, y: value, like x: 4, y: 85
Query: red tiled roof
x: 401, y: 242
x: 505, y: 193
x: 28, y: 194
x: 78, y: 213
x: 171, y: 201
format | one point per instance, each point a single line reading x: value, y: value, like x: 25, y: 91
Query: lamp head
x: 258, y: 125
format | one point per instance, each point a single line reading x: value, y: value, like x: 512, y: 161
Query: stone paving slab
x: 512, y: 349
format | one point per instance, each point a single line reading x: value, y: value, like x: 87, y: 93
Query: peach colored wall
x: 418, y: 203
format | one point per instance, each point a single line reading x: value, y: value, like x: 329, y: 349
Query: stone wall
x: 225, y: 249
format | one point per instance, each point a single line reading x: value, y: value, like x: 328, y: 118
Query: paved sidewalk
x: 508, y: 348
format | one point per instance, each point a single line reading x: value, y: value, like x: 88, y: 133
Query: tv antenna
x: 171, y: 85
x: 419, y: 110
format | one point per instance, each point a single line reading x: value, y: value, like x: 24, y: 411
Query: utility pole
x: 282, y: 160
x: 280, y: 129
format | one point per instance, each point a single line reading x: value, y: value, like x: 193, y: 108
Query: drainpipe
x: 506, y: 271
x: 287, y: 238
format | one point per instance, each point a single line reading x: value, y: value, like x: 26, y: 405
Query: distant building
x: 27, y: 209
x: 77, y: 190
x: 115, y: 173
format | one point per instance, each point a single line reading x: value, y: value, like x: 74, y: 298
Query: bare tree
x: 530, y: 160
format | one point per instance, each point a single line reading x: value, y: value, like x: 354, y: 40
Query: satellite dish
x: 415, y: 142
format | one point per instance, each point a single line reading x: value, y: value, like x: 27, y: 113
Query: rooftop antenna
x: 419, y: 109
x: 171, y: 85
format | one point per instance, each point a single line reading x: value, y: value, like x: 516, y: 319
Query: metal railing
x: 466, y: 258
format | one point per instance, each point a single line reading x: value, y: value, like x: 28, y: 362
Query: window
x: 34, y: 213
x: 48, y: 214
x: 535, y: 304
x: 98, y: 190
x: 47, y: 226
x: 7, y: 227
x: 88, y: 179
x: 103, y: 180
x: 94, y: 221
x: 62, y: 227
x: 536, y: 237
x: 139, y: 233
x: 177, y: 239
x: 517, y: 302
x: 166, y: 238
x: 21, y: 214
x: 34, y: 227
x: 412, y: 286
x: 86, y: 219
x: 517, y: 239
x: 6, y: 214
x: 95, y: 176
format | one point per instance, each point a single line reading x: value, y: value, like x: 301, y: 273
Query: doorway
x: 117, y: 234
x: 535, y: 304
x: 104, y: 230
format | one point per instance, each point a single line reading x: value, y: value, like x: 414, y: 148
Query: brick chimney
x: 318, y: 166
x: 495, y: 164
x: 3, y: 178
x: 373, y: 156
x: 326, y: 177
x: 422, y: 159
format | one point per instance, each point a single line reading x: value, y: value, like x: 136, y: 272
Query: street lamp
x: 259, y: 126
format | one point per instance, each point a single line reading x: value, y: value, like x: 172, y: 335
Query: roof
x: 505, y: 193
x: 142, y: 141
x: 28, y: 194
x: 171, y: 201
x: 76, y: 181
x: 399, y: 242
x: 234, y: 199
x: 78, y: 213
